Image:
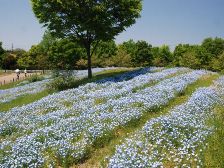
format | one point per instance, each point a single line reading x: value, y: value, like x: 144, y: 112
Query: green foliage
x: 105, y: 49
x: 42, y: 59
x: 53, y: 53
x: 87, y: 21
x: 208, y: 55
x: 130, y: 47
x: 62, y: 81
x: 64, y: 54
x: 179, y: 50
x: 213, y: 46
x: 32, y: 56
x: 90, y: 19
x: 103, y: 53
x: 143, y: 54
x: 82, y: 63
x: 1, y: 49
x: 121, y: 59
x: 25, y: 61
x: 18, y: 52
x: 162, y: 56
x: 140, y: 52
x: 47, y: 41
x: 9, y: 61
x: 35, y: 78
x: 218, y: 63
x: 189, y: 59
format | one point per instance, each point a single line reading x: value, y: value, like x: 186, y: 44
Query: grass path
x: 23, y: 100
x: 101, y: 151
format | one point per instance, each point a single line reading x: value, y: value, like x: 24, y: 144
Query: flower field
x: 175, y: 139
x: 8, y: 95
x: 60, y: 129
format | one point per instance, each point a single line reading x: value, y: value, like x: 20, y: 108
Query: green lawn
x: 23, y: 100
x: 11, y: 85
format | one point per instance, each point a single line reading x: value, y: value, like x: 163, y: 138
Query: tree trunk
x: 89, y: 61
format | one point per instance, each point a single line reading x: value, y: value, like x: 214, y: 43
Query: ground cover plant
x: 29, y: 98
x: 65, y: 127
x: 176, y: 139
x: 8, y: 95
x: 48, y: 125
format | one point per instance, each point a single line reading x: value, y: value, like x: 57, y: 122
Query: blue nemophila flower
x: 36, y: 87
x: 66, y: 123
x: 176, y: 138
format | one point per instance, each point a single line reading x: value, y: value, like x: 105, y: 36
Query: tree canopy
x: 87, y: 21
x: 1, y: 49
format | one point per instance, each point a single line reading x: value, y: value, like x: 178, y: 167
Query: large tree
x: 143, y: 54
x: 214, y: 46
x: 64, y: 54
x: 87, y: 21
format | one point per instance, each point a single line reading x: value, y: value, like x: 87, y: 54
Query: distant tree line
x: 53, y: 53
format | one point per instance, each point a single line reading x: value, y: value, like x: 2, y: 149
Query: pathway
x: 4, y: 79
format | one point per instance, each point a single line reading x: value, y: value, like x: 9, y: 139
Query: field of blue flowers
x: 60, y: 129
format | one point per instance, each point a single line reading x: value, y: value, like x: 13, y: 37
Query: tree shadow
x: 118, y: 77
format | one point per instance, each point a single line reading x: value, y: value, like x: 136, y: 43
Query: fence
x: 11, y: 76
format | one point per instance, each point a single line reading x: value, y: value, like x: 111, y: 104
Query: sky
x: 167, y: 22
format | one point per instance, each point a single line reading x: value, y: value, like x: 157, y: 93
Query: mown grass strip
x: 214, y: 153
x: 12, y: 85
x: 23, y: 100
x: 105, y: 147
x: 26, y: 99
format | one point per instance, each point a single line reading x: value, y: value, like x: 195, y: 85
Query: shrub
x: 81, y: 64
x: 35, y: 78
x: 62, y: 82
